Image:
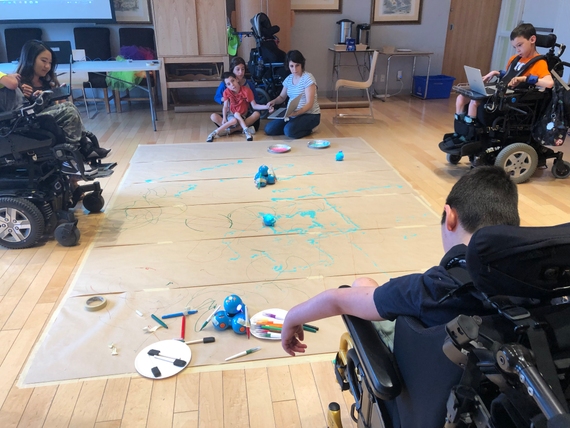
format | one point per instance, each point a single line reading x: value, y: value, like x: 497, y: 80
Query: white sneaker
x: 213, y: 134
x: 248, y: 136
x: 250, y: 129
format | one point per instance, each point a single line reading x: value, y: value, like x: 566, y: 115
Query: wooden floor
x: 292, y: 392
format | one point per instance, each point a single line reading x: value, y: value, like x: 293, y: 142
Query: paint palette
x: 318, y: 144
x: 279, y: 148
x: 272, y: 324
x: 173, y: 357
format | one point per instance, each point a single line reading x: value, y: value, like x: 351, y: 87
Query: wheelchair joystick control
x: 517, y: 359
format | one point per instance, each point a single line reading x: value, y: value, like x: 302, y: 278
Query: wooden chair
x: 97, y: 44
x: 15, y: 39
x: 365, y: 86
x: 141, y: 37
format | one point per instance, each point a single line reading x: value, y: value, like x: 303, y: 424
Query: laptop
x: 62, y: 51
x: 61, y: 93
x: 476, y: 85
x: 285, y: 112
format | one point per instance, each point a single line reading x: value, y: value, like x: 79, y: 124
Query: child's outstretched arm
x: 10, y: 81
x: 256, y: 106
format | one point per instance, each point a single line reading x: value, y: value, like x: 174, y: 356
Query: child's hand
x: 27, y: 90
x: 270, y: 108
x: 487, y: 77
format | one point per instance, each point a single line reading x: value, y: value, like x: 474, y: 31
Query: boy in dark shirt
x: 485, y: 196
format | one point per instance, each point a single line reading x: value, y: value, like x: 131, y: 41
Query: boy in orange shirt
x: 237, y: 100
x: 523, y: 39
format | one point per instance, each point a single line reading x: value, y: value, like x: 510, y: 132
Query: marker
x: 183, y: 329
x: 158, y: 320
x: 179, y: 314
x: 314, y: 327
x: 241, y: 354
x: 270, y: 315
x: 270, y: 335
x: 210, y: 317
x: 271, y: 328
x: 273, y: 172
x: 204, y: 340
x: 247, y: 324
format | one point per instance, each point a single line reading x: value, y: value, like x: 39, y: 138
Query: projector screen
x: 29, y: 11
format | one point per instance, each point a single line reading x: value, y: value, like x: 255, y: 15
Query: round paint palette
x: 279, y: 148
x: 163, y: 366
x: 318, y: 144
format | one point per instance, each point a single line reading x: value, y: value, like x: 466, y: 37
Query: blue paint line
x: 188, y: 189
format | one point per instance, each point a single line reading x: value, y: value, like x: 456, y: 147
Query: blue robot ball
x: 221, y: 321
x: 270, y: 179
x: 269, y: 220
x: 263, y: 170
x: 232, y: 304
x: 340, y: 156
x: 238, y: 323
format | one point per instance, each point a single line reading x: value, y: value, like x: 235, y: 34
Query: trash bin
x: 439, y: 86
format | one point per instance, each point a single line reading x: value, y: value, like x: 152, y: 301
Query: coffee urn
x: 363, y: 34
x: 345, y: 26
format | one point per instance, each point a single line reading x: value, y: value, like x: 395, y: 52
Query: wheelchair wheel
x: 561, y: 171
x: 21, y: 223
x: 67, y: 234
x: 519, y: 160
x: 263, y: 97
x: 93, y: 202
x: 453, y: 159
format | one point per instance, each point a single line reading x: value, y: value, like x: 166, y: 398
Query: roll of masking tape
x: 95, y: 303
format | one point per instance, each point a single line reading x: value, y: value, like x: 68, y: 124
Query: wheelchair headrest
x: 515, y: 261
x: 545, y: 40
x: 261, y: 26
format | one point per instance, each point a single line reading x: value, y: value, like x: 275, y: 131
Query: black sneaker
x: 98, y: 153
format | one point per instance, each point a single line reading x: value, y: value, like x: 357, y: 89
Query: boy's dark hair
x: 296, y: 57
x: 523, y: 30
x: 485, y: 196
x: 227, y: 74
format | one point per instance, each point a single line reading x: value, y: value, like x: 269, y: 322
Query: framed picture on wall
x: 132, y: 11
x: 397, y: 11
x: 317, y: 5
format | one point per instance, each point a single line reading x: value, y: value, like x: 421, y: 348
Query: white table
x: 104, y: 67
x: 415, y: 55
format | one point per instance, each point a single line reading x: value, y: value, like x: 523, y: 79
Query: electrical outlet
x: 382, y: 78
x: 399, y: 75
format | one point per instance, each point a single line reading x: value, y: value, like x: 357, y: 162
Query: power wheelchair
x: 36, y: 190
x: 507, y: 370
x: 505, y: 133
x: 266, y: 61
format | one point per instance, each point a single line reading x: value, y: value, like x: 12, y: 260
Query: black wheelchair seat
x: 508, y: 369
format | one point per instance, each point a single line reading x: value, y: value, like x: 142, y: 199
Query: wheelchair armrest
x: 375, y: 357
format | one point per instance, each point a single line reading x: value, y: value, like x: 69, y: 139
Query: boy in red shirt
x: 237, y: 100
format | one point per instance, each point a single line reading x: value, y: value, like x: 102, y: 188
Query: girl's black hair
x: 30, y: 51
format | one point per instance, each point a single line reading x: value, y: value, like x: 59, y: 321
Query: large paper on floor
x: 185, y: 230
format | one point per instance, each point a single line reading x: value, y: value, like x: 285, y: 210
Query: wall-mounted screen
x: 29, y: 11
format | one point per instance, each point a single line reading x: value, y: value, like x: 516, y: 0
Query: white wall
x: 313, y: 33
